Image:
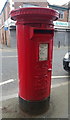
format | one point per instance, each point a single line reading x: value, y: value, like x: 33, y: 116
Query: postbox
x: 34, y: 32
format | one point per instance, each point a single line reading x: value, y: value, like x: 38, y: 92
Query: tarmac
x: 58, y: 106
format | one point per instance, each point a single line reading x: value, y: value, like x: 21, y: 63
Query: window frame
x: 61, y: 12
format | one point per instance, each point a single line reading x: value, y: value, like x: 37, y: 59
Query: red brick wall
x: 42, y: 4
x: 65, y: 17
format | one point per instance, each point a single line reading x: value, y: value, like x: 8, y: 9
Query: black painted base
x: 34, y: 107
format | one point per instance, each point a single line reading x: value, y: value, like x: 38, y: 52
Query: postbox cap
x: 34, y: 14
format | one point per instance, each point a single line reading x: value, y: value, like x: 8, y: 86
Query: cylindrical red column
x: 35, y: 33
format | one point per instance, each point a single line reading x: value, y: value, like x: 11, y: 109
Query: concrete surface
x: 58, y: 106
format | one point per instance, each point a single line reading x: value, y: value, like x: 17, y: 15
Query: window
x: 61, y: 14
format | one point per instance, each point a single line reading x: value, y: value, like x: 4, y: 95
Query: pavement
x: 58, y: 106
x: 9, y: 108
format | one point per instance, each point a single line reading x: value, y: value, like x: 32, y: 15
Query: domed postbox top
x: 34, y: 14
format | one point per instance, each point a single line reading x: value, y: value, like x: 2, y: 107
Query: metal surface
x: 34, y: 77
x: 33, y: 15
x: 35, y: 107
x: 34, y: 74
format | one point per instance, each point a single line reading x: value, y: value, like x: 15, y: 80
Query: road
x: 9, y: 72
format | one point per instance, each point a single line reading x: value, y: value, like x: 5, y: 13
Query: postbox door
x: 35, y: 63
x: 41, y: 65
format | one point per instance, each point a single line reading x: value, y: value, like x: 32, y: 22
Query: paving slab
x: 58, y: 106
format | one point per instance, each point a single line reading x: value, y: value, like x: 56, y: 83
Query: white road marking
x: 16, y: 94
x: 5, y: 82
x: 6, y: 50
x: 8, y: 56
x: 12, y: 80
x: 57, y: 77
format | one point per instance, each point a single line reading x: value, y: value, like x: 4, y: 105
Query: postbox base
x: 34, y: 107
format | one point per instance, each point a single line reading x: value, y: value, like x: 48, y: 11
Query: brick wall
x: 4, y: 35
x: 42, y: 4
x: 65, y: 19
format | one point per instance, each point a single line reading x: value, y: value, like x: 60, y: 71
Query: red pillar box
x: 35, y: 31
